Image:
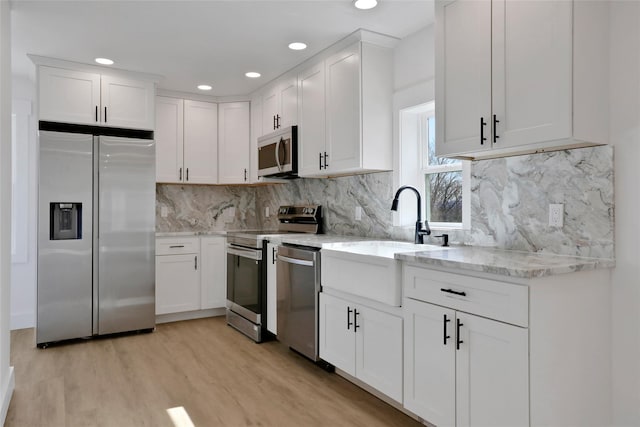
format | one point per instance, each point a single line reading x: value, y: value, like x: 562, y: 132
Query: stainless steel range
x: 246, y: 268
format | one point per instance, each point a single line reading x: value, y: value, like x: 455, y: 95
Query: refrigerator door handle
x: 96, y: 231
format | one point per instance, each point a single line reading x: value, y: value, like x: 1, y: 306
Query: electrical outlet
x: 556, y: 215
x: 164, y: 212
x: 358, y: 213
x: 266, y: 211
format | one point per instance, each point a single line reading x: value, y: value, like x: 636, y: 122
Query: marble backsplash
x: 510, y: 199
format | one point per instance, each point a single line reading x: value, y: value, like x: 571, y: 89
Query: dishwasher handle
x: 295, y: 261
x: 245, y: 253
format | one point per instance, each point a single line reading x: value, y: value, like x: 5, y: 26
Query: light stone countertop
x: 503, y: 262
x: 190, y: 233
x: 510, y: 263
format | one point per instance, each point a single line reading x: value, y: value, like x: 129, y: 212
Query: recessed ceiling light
x: 297, y: 46
x: 104, y: 61
x: 204, y: 87
x: 366, y: 4
x: 252, y: 74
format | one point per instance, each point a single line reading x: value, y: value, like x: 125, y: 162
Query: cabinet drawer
x: 506, y: 302
x: 177, y: 245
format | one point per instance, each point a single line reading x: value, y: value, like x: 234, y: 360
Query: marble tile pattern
x: 510, y: 199
x: 526, y: 265
x: 205, y: 208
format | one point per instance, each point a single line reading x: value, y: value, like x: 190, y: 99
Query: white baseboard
x: 7, y: 393
x: 23, y: 320
x: 190, y: 315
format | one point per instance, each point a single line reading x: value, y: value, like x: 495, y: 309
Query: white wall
x: 24, y: 263
x: 6, y: 372
x: 625, y: 135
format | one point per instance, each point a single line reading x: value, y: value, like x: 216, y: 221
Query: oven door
x: 245, y: 282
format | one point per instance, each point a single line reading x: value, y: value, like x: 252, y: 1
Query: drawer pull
x: 176, y: 246
x: 445, y: 329
x: 451, y: 291
x: 458, y: 340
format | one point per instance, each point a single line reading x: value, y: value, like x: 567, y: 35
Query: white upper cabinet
x: 344, y: 112
x: 233, y: 142
x: 280, y: 105
x: 516, y: 77
x: 71, y: 96
x: 200, y: 142
x: 127, y: 103
x: 186, y: 141
x: 311, y: 114
x: 169, y: 137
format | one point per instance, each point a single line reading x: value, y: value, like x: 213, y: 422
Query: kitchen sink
x: 367, y: 268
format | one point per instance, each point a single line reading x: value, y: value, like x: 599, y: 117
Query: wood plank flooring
x: 219, y: 376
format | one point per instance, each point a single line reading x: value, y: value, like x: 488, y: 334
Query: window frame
x: 415, y: 174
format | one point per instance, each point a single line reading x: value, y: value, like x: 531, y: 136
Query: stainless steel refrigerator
x: 96, y: 235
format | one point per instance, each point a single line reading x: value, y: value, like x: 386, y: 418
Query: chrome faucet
x: 421, y: 230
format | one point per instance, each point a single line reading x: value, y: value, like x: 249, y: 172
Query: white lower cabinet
x: 363, y: 342
x: 213, y: 273
x: 464, y: 370
x: 177, y: 283
x: 272, y: 289
x: 190, y: 273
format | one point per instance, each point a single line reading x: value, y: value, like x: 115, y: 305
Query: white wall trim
x: 7, y: 392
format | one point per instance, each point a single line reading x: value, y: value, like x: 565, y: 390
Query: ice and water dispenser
x: 66, y: 221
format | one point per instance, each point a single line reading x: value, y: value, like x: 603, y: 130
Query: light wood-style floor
x: 220, y: 377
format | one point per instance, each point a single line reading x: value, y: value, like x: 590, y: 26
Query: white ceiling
x: 193, y: 42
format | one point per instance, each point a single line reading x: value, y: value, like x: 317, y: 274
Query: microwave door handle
x: 278, y: 154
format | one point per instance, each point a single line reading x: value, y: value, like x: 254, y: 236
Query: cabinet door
x: 270, y: 103
x: 532, y: 71
x: 213, y: 275
x: 127, y: 103
x: 343, y: 110
x: 492, y: 373
x: 337, y: 335
x: 200, y: 142
x: 169, y: 139
x: 379, y: 350
x: 272, y: 290
x: 288, y: 102
x: 463, y: 76
x: 311, y: 117
x: 429, y: 362
x: 69, y: 96
x: 233, y: 143
x: 177, y: 283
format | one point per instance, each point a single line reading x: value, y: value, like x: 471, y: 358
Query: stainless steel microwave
x: 278, y: 153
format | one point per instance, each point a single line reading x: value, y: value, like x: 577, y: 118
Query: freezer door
x: 126, y: 235
x: 64, y: 237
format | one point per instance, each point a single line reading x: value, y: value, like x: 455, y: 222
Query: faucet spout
x: 421, y: 230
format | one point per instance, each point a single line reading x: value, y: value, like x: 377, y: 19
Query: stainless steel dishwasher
x: 298, y: 272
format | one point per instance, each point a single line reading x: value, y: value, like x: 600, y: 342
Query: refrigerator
x: 96, y: 234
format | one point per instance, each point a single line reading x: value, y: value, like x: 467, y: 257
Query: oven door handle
x: 245, y: 253
x: 295, y: 261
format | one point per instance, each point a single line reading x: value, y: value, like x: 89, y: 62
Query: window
x: 444, y: 182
